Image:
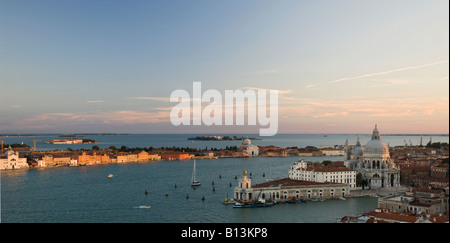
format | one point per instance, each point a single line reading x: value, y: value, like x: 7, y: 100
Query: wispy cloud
x: 368, y: 75
x: 117, y: 117
x: 280, y: 91
x: 391, y: 82
x: 311, y: 85
x: 95, y: 101
x: 163, y: 99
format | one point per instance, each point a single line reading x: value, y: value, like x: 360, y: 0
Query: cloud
x: 330, y: 114
x: 163, y: 99
x: 368, y: 75
x: 15, y: 106
x: 95, y: 101
x: 311, y: 85
x: 391, y: 82
x: 280, y: 91
x: 117, y: 117
x: 420, y: 107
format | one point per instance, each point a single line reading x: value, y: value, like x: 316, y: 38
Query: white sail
x: 195, y: 182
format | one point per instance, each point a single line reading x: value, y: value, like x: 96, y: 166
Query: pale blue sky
x: 79, y: 66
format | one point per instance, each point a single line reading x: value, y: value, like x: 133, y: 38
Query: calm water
x: 84, y: 194
x: 180, y: 140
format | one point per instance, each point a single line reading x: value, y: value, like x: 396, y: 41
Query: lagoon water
x: 181, y: 140
x: 85, y: 194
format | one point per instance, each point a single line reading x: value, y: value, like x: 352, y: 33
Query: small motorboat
x: 110, y: 176
x: 144, y: 207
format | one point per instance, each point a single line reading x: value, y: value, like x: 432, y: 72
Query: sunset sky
x: 76, y: 66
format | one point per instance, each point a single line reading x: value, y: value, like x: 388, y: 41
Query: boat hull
x: 257, y: 205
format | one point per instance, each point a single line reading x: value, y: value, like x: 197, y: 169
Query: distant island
x: 69, y: 141
x: 222, y: 138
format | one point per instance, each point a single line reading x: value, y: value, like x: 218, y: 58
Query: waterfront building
x: 123, y: 158
x: 296, y: 186
x: 86, y: 159
x: 332, y: 152
x: 373, y: 162
x: 65, y: 141
x: 289, y: 189
x: 175, y: 156
x: 12, y: 161
x: 50, y: 160
x: 249, y: 149
x: 144, y: 156
x: 335, y: 172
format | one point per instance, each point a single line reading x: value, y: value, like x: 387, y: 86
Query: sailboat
x: 195, y: 182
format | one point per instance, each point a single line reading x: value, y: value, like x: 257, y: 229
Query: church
x: 249, y: 149
x: 373, y: 162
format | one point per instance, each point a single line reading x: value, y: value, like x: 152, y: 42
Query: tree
x: 326, y: 162
x: 360, y: 180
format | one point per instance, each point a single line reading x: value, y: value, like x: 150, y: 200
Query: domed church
x: 373, y: 162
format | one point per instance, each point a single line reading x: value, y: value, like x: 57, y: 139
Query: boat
x: 195, y: 182
x: 229, y: 201
x: 315, y: 199
x: 259, y: 203
x: 110, y: 176
x: 253, y: 205
x: 144, y: 207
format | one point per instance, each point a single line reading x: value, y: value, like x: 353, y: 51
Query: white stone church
x: 373, y: 162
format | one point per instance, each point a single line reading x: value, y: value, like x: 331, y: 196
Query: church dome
x: 376, y: 146
x: 358, y: 150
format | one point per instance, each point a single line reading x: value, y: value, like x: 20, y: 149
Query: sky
x: 77, y: 66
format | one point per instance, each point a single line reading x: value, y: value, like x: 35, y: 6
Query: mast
x: 194, y: 180
x: 193, y: 173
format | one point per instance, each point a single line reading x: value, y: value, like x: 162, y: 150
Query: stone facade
x: 373, y: 162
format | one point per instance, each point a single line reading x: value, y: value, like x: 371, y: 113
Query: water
x: 85, y: 194
x: 180, y: 140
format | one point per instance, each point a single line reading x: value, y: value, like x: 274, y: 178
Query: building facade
x: 289, y: 189
x: 373, y: 163
x: 335, y: 174
x: 249, y: 149
x: 12, y: 161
